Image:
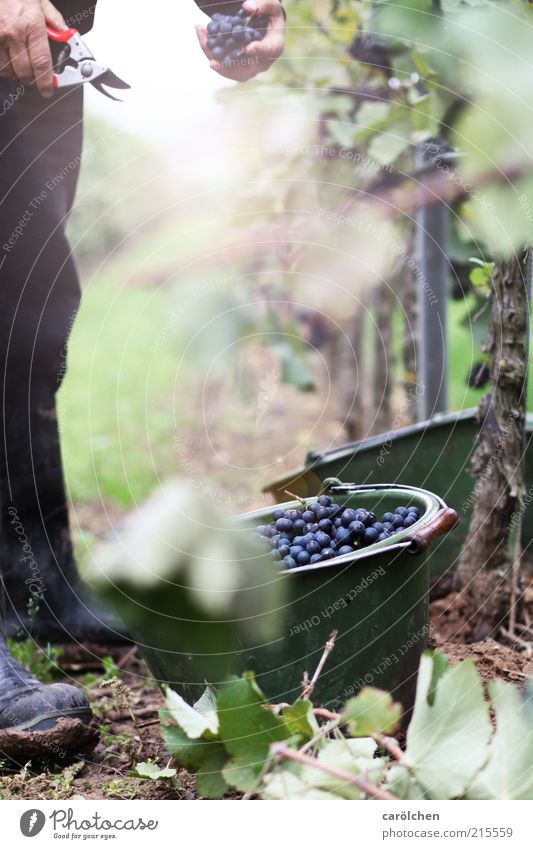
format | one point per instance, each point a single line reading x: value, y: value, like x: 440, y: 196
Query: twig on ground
x: 323, y: 732
x: 521, y: 626
x: 326, y: 714
x: 146, y: 711
x: 328, y: 648
x: 120, y: 664
x: 390, y: 745
x: 280, y: 750
x: 528, y: 647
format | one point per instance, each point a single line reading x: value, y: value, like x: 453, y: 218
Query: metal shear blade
x: 76, y: 64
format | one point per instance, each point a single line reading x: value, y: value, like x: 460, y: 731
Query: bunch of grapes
x: 228, y: 35
x: 323, y: 530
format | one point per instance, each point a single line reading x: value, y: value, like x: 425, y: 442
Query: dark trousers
x: 40, y: 148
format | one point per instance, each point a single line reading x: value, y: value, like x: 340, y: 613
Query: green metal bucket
x: 376, y: 600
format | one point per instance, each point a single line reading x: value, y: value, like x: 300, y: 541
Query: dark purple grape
x: 343, y: 535
x: 324, y: 540
x: 357, y: 529
x: 370, y: 536
x: 325, y: 525
x: 348, y: 517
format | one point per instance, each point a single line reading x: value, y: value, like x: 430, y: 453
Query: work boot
x: 44, y: 594
x: 40, y: 720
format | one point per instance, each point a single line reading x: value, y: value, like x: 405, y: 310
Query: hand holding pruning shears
x: 28, y: 28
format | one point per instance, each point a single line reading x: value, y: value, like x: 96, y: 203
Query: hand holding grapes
x: 241, y: 46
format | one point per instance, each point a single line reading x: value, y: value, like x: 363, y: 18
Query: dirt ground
x: 126, y: 707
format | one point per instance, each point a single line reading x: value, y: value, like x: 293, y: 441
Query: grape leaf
x: 300, y: 720
x: 372, y: 711
x: 183, y: 575
x: 247, y: 729
x: 401, y: 784
x: 310, y: 782
x: 284, y: 785
x: 210, y: 782
x: 508, y: 774
x: 151, y: 770
x: 205, y: 757
x: 193, y: 721
x: 352, y: 756
x: 447, y: 741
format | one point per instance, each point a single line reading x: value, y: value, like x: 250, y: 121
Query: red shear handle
x: 61, y: 35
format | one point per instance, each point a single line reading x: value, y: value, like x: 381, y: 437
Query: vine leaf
x: 210, y: 781
x: 300, y: 720
x: 202, y: 756
x: 401, y: 784
x: 308, y: 782
x: 352, y: 756
x: 372, y: 711
x: 283, y: 785
x: 194, y: 721
x: 508, y: 773
x: 151, y: 770
x: 247, y: 729
x: 447, y: 741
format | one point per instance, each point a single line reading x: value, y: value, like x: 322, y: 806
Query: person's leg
x: 39, y: 296
x: 40, y: 147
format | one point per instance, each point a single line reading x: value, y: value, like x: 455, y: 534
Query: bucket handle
x: 442, y: 522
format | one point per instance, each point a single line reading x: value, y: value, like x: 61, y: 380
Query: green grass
x: 116, y: 406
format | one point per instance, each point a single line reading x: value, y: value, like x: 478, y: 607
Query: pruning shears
x: 74, y: 64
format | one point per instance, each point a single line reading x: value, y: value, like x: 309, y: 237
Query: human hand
x: 24, y: 48
x: 259, y: 55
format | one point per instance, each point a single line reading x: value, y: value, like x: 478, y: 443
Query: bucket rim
x: 434, y: 504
